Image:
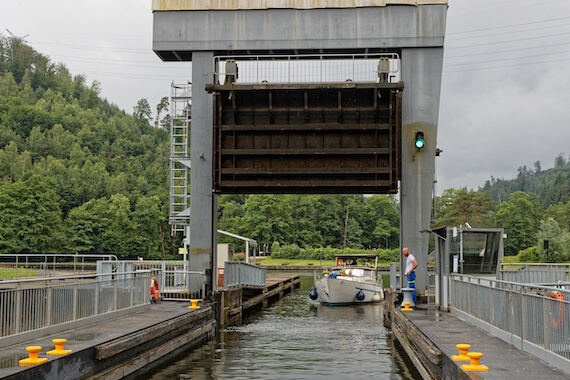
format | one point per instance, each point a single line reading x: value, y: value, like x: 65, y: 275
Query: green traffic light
x: 420, y: 143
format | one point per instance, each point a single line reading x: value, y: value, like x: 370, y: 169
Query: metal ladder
x: 181, y: 121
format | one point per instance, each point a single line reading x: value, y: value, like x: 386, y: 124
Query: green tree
x: 83, y: 227
x: 31, y: 217
x: 266, y: 219
x: 14, y: 165
x: 148, y: 217
x: 385, y: 211
x: 520, y: 218
x: 560, y: 212
x: 142, y: 111
x: 162, y: 106
x: 456, y: 207
x: 304, y: 231
x: 558, y: 241
x: 330, y: 219
x: 121, y: 232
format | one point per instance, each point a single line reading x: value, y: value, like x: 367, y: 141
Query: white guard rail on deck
x: 306, y: 68
x: 536, y: 273
x: 28, y: 305
x: 52, y: 264
x: 175, y: 282
x: 242, y: 274
x: 524, y: 315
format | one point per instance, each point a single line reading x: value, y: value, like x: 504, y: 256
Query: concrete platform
x: 431, y: 336
x: 117, y: 347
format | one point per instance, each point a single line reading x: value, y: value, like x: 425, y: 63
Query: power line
x: 507, y: 26
x: 504, y: 51
x: 121, y: 62
x: 131, y: 76
x: 507, y: 66
x: 507, y: 59
x: 91, y: 47
x: 509, y: 41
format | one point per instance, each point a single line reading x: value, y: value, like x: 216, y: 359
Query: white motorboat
x: 352, y: 280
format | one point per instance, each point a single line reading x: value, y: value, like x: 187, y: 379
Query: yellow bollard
x: 59, y: 350
x: 462, y: 357
x: 475, y: 357
x: 407, y: 307
x: 33, y: 359
x: 194, y: 304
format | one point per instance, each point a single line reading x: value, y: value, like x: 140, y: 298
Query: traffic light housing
x: 420, y: 142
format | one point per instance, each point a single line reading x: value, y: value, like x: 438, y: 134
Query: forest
x: 78, y: 174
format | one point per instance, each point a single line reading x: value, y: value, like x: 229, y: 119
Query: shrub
x: 239, y: 257
x: 529, y: 255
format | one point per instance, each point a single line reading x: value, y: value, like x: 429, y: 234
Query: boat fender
x: 313, y: 294
x: 557, y: 319
x: 360, y: 295
x: 154, y: 290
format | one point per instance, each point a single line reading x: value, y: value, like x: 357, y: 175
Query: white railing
x: 321, y: 68
x: 528, y: 316
x: 242, y: 274
x: 46, y: 265
x: 535, y: 273
x: 174, y: 280
x: 29, y: 305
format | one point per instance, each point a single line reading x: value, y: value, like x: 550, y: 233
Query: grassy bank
x: 14, y: 273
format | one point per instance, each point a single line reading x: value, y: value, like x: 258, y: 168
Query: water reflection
x: 296, y: 339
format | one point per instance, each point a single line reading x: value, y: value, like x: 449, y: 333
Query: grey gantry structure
x: 311, y: 96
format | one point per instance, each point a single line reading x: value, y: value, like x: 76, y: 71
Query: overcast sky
x: 506, y: 80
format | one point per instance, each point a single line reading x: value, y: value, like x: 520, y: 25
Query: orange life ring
x: 557, y: 322
x: 154, y: 289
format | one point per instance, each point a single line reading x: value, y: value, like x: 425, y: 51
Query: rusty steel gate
x: 307, y: 138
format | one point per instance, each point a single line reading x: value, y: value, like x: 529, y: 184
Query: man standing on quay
x: 411, y: 265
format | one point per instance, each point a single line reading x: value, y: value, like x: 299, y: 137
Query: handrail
x: 238, y: 274
x: 50, y: 262
x: 33, y: 305
x: 309, y: 68
x: 531, y: 317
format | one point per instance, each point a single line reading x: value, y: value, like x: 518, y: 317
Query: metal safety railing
x: 28, y: 305
x: 243, y: 274
x: 174, y: 280
x: 535, y: 273
x: 531, y: 317
x: 318, y: 68
x: 46, y: 265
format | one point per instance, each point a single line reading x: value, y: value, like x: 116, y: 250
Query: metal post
x: 97, y: 289
x: 461, y: 248
x: 49, y: 303
x: 75, y: 303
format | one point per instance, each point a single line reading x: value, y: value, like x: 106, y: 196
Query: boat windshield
x: 369, y: 260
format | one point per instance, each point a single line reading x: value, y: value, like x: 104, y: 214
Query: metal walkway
x: 504, y: 361
x: 115, y: 347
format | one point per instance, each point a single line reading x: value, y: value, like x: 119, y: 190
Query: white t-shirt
x: 410, y: 263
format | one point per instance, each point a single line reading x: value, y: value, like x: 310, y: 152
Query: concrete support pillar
x: 421, y: 73
x: 201, y: 253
